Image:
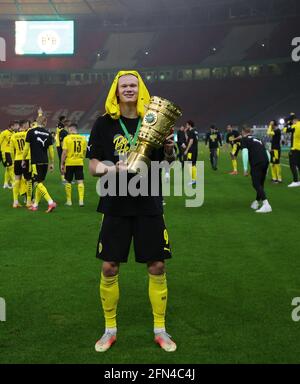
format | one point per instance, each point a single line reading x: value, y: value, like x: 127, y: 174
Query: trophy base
x: 138, y: 163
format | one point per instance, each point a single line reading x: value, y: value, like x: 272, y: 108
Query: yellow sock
x: 278, y: 172
x: 16, y: 190
x: 29, y: 192
x: 81, y: 192
x: 6, y: 177
x: 37, y: 196
x: 44, y: 192
x: 11, y: 174
x: 234, y: 165
x: 273, y: 172
x: 109, y: 294
x: 23, y: 187
x: 158, y: 293
x: 68, y: 189
x: 62, y: 178
x: 194, y: 173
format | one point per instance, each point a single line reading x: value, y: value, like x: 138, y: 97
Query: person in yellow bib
x: 74, y: 148
x: 5, y: 138
x: 17, y: 145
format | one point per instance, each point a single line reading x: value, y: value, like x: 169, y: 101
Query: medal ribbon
x: 131, y: 141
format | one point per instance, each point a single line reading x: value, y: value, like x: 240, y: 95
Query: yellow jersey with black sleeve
x: 295, y: 144
x: 295, y: 135
x: 17, y: 145
x: 76, y: 146
x: 275, y: 134
x: 59, y: 128
x: 5, y: 138
x: 57, y: 142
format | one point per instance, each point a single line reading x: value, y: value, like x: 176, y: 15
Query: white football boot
x: 255, y: 205
x: 265, y: 208
x: 294, y: 184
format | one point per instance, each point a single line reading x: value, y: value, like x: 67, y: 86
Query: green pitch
x: 231, y: 280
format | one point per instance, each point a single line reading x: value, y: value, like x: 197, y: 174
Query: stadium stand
x: 214, y: 47
x: 235, y: 101
x: 278, y: 45
x: 120, y: 49
x: 21, y: 102
x: 233, y: 47
x: 253, y: 100
x: 205, y: 45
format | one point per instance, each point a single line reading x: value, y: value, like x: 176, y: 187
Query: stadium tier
x: 21, y: 102
x: 205, y: 46
x: 236, y: 100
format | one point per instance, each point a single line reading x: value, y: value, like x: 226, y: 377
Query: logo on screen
x: 44, y: 37
x: 48, y: 41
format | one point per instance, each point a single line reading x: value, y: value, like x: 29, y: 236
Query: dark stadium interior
x: 220, y: 61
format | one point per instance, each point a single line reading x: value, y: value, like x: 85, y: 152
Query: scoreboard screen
x: 44, y: 38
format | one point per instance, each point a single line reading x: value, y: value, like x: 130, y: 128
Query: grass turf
x: 231, y: 280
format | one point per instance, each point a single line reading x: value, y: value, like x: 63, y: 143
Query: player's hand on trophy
x: 169, y: 144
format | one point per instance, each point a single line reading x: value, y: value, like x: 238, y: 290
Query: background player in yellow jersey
x: 17, y: 145
x: 5, y: 138
x: 74, y: 148
x: 293, y: 127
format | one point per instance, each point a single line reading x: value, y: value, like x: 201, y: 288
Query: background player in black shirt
x: 127, y: 217
x: 181, y: 143
x: 254, y: 150
x: 39, y: 142
x: 214, y: 141
x: 191, y: 151
x: 61, y: 124
x: 275, y: 133
x: 62, y: 133
x: 233, y: 138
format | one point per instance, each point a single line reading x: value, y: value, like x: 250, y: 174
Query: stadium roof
x: 128, y: 9
x: 88, y: 7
